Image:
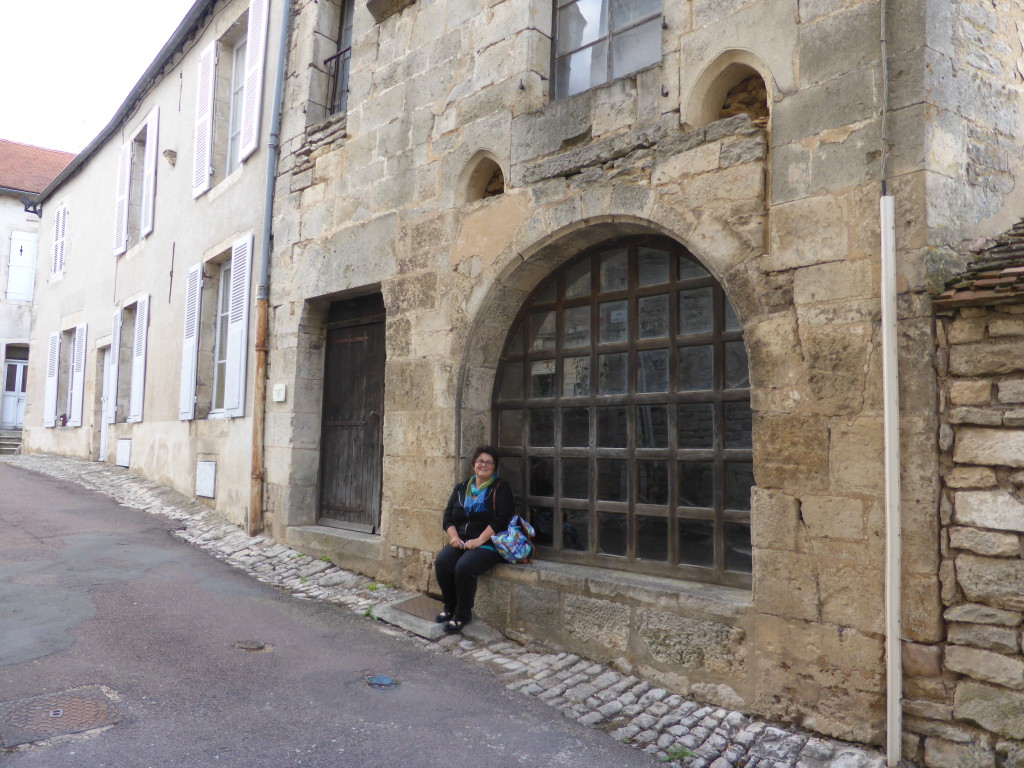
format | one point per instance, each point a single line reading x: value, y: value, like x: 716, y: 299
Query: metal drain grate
x: 56, y: 714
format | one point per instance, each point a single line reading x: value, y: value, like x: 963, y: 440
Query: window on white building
x: 215, y: 339
x: 136, y: 185
x: 235, y: 107
x: 597, y: 41
x: 129, y: 331
x: 21, y: 266
x: 63, y: 394
x: 228, y: 99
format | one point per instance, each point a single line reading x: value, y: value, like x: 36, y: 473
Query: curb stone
x: 657, y: 721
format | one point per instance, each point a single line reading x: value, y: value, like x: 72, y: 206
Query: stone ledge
x: 352, y: 550
x: 691, y: 597
x: 384, y: 9
x: 428, y: 629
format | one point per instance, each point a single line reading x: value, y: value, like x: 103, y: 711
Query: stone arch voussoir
x: 545, y: 241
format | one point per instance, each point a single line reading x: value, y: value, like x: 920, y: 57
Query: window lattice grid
x: 597, y: 41
x: 622, y: 408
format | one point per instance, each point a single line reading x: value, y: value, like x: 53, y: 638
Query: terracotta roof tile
x: 30, y: 169
x: 996, y: 276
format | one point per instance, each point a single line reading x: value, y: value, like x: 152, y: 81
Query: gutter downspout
x: 254, y: 522
x: 891, y: 407
x: 891, y: 421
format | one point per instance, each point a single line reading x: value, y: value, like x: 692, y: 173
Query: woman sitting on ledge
x: 477, y: 509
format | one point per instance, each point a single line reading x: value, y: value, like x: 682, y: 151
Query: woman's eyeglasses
x: 484, y: 463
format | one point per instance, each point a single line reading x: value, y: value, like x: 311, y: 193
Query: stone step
x: 10, y: 441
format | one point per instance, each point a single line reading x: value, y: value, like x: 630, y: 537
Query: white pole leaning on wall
x: 891, y: 409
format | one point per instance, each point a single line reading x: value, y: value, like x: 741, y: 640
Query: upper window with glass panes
x: 338, y: 63
x: 597, y: 41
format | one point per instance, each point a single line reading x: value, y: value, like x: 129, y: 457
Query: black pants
x: 457, y: 571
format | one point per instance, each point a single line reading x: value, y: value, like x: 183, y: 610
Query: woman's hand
x: 482, y: 539
x: 457, y: 543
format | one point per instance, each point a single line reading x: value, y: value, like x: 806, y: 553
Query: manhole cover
x: 250, y: 645
x: 56, y: 714
x: 381, y: 682
x: 420, y: 606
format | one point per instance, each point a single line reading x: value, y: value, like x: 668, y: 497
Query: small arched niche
x: 481, y: 178
x: 748, y: 97
x: 733, y: 84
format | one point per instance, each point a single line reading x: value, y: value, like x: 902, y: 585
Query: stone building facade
x: 473, y: 164
x: 637, y: 247
x: 24, y: 171
x: 141, y: 332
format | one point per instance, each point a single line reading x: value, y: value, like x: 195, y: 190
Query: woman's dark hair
x: 490, y: 450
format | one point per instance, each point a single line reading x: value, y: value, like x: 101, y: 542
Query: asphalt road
x: 92, y: 593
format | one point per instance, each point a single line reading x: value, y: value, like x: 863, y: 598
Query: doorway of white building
x: 104, y: 404
x: 12, y: 414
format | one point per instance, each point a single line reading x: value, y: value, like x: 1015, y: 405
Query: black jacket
x: 499, y: 509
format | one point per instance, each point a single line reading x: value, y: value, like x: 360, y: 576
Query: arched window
x: 622, y: 412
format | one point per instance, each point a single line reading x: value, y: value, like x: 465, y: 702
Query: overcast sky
x: 67, y: 65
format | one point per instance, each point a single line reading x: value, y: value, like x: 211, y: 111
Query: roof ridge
x: 37, y: 147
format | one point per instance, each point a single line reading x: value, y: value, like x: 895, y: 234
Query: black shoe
x: 444, y: 616
x: 455, y: 625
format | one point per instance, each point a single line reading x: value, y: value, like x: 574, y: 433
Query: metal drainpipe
x: 254, y: 521
x: 891, y: 421
x: 891, y: 399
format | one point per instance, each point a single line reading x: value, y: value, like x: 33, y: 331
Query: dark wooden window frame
x: 338, y: 64
x: 608, y: 39
x: 518, y: 350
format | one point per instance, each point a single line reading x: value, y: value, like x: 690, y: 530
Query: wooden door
x: 352, y: 444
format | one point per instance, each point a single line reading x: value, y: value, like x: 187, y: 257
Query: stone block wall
x: 972, y: 70
x: 683, y: 636
x: 786, y: 218
x: 964, y: 697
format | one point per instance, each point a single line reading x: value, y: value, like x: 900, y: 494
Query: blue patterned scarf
x: 473, y: 503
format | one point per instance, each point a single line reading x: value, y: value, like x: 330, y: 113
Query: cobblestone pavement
x: 680, y: 732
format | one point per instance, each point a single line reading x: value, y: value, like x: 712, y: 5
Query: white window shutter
x: 63, y: 240
x: 124, y: 175
x: 137, y: 394
x: 50, y: 392
x: 202, y: 136
x: 255, y: 52
x: 190, y: 343
x: 115, y: 356
x: 55, y: 243
x: 149, y: 173
x: 238, y: 327
x: 77, y: 392
x: 60, y: 224
x: 21, y: 266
